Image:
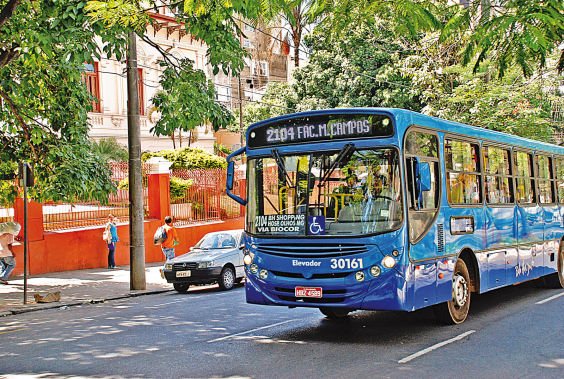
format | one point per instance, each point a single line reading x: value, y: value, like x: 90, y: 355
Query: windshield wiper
x: 281, y: 166
x: 342, y: 154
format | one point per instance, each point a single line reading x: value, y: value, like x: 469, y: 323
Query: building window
x: 92, y: 81
x: 248, y: 28
x: 247, y: 43
x: 260, y: 68
x: 223, y: 94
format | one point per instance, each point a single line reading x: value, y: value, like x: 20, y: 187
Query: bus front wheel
x: 334, y: 313
x: 456, y: 310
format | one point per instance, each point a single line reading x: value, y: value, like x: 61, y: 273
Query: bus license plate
x: 183, y: 274
x: 308, y: 292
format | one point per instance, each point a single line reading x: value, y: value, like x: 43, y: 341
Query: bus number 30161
x: 346, y: 263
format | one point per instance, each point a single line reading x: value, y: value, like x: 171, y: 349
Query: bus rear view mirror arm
x: 231, y: 176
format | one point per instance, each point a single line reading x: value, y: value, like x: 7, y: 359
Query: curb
x: 64, y: 305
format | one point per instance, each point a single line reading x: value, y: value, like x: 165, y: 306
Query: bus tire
x: 455, y: 311
x: 334, y: 313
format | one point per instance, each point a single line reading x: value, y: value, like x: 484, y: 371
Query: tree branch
x: 8, y: 11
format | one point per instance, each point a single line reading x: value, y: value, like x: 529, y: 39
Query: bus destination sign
x: 321, y: 128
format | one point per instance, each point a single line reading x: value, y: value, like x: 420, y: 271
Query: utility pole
x: 136, y: 232
x: 240, y: 112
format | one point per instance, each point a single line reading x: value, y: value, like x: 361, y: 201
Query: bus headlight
x: 263, y: 274
x: 375, y: 271
x: 168, y: 266
x: 248, y: 259
x: 389, y: 261
x: 359, y: 276
x: 254, y: 268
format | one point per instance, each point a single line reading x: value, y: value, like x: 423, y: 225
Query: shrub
x: 178, y: 187
x: 188, y: 158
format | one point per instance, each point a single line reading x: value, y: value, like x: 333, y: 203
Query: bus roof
x: 415, y: 118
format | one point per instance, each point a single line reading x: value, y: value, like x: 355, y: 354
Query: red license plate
x: 308, y: 291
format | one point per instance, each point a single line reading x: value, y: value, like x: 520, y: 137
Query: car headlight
x: 205, y: 264
x: 263, y: 274
x: 254, y: 268
x: 168, y: 266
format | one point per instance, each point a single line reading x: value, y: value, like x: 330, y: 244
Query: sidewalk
x: 77, y: 287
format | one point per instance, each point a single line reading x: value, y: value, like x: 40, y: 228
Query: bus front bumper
x: 388, y: 292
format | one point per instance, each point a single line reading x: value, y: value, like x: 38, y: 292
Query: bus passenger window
x: 524, y: 178
x: 499, y: 185
x: 463, y: 176
x: 559, y: 165
x: 546, y: 192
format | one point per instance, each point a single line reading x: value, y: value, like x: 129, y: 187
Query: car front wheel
x: 181, y: 287
x: 226, y: 279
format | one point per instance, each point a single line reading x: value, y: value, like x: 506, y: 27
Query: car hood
x: 198, y: 255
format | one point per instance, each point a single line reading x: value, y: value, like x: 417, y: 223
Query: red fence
x: 206, y: 200
x: 60, y: 216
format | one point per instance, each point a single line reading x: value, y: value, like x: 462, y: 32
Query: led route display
x: 321, y: 128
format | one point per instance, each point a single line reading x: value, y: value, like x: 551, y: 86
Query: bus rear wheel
x: 334, y: 313
x: 456, y: 310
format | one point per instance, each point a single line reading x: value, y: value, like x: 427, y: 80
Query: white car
x: 216, y: 258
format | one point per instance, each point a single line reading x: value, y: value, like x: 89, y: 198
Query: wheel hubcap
x: 459, y: 290
x: 229, y: 279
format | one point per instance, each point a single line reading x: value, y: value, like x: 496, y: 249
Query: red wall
x: 80, y: 249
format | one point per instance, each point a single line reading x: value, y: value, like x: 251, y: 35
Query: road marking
x: 15, y: 330
x: 441, y: 344
x: 252, y: 330
x: 550, y: 298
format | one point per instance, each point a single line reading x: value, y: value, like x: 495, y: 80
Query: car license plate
x: 309, y: 292
x: 183, y: 274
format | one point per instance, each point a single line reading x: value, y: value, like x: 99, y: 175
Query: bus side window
x: 464, y: 179
x: 422, y: 207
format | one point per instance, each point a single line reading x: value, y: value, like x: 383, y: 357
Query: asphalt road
x: 515, y: 332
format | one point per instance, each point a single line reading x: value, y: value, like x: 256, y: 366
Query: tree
x: 187, y: 100
x: 44, y: 102
x: 110, y: 149
x: 358, y: 70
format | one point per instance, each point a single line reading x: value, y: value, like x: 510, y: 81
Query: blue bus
x: 388, y: 209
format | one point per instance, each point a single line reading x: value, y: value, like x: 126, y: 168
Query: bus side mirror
x: 231, y: 176
x: 424, y: 177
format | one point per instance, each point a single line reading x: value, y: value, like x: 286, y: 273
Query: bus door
x: 530, y: 223
x: 424, y: 224
x: 547, y: 198
x: 500, y: 214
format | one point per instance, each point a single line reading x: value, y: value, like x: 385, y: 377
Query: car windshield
x: 217, y: 241
x: 325, y: 193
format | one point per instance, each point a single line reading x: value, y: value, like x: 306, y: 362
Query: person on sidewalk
x: 171, y: 239
x: 111, y: 226
x: 7, y: 257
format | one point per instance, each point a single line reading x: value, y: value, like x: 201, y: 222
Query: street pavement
x: 77, y: 287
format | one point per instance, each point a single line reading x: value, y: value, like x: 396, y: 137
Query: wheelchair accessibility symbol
x: 316, y: 225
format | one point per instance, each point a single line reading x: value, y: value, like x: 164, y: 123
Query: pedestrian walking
x: 112, y: 239
x: 171, y: 239
x: 7, y: 256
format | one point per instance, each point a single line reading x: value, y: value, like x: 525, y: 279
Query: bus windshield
x: 347, y: 192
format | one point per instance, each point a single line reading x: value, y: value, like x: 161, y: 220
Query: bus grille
x: 311, y: 251
x: 312, y: 300
x: 333, y: 275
